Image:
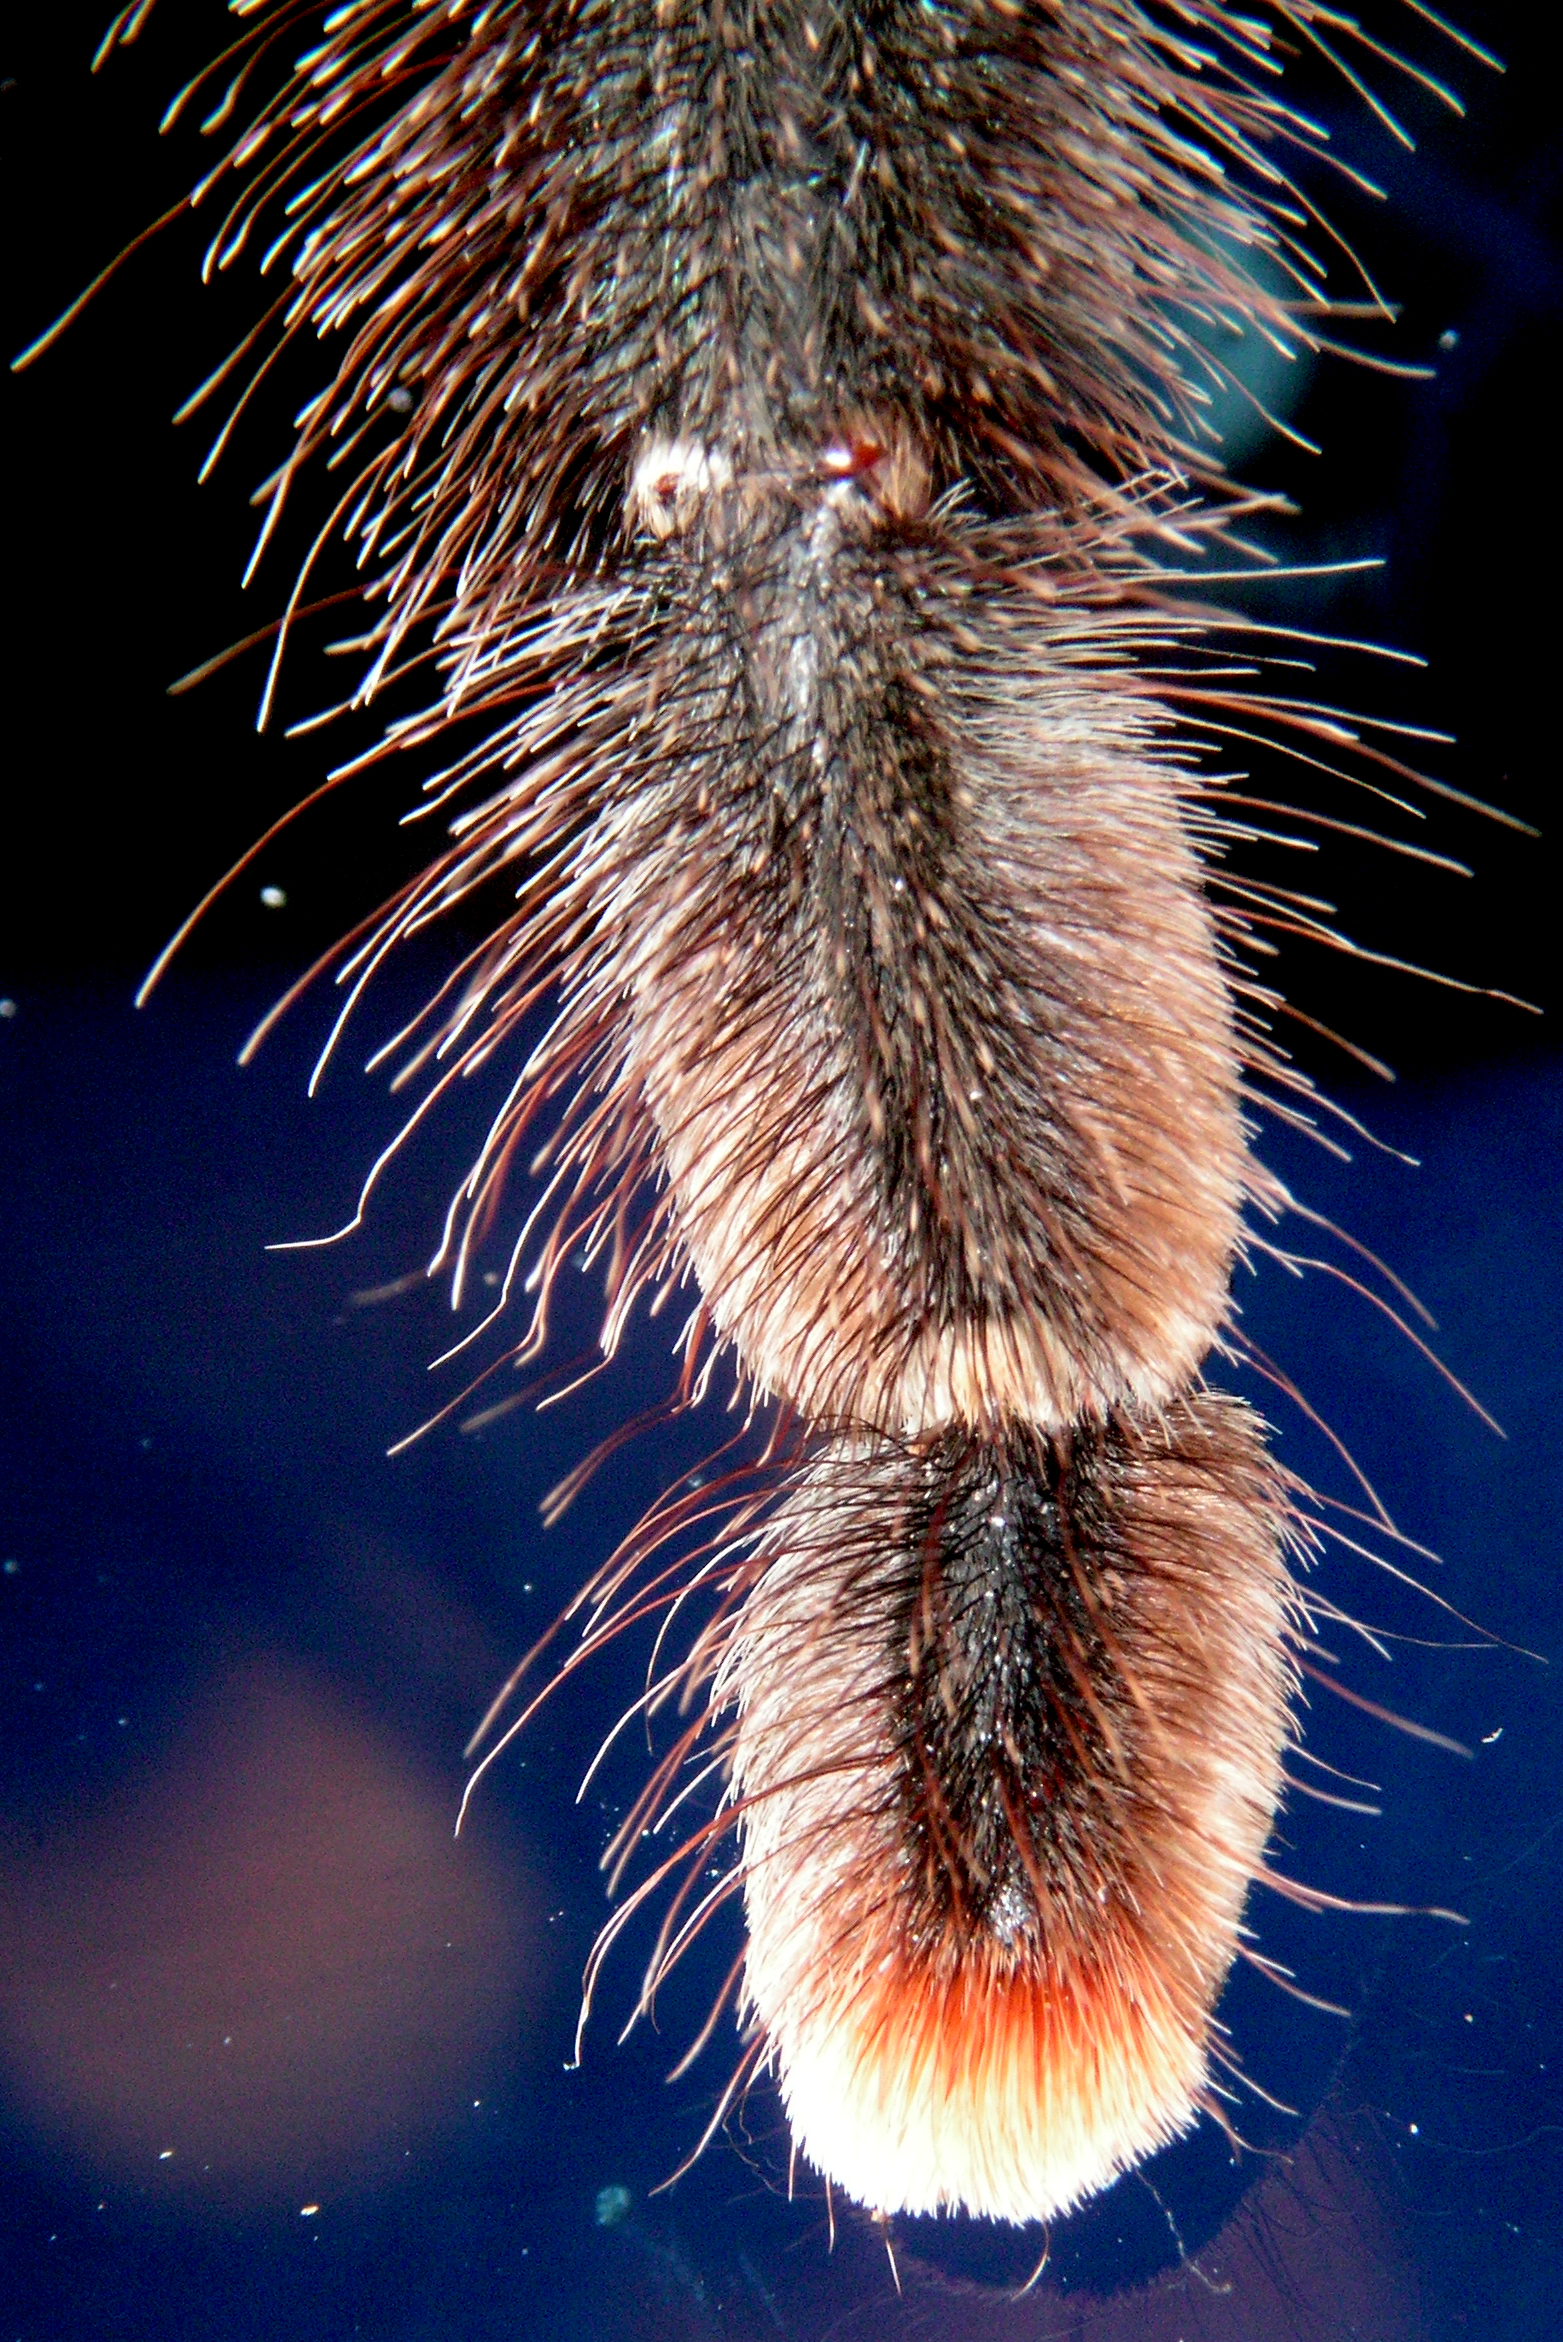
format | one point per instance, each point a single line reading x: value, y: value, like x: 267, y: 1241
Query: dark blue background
x: 211, y: 1544
x: 195, y: 1485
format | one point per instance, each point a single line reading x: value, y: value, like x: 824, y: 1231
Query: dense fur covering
x: 747, y: 224
x: 926, y: 1001
x: 769, y: 414
x: 1010, y: 1726
x: 745, y: 402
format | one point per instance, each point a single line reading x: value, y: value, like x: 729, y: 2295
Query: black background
x: 193, y: 1469
x: 127, y: 571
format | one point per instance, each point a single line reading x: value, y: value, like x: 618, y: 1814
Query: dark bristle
x: 1009, y: 1773
x: 785, y: 431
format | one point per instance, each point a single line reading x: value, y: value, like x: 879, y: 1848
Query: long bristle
x: 786, y: 428
x: 1010, y: 1727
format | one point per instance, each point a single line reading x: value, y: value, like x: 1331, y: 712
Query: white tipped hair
x: 1010, y: 2071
